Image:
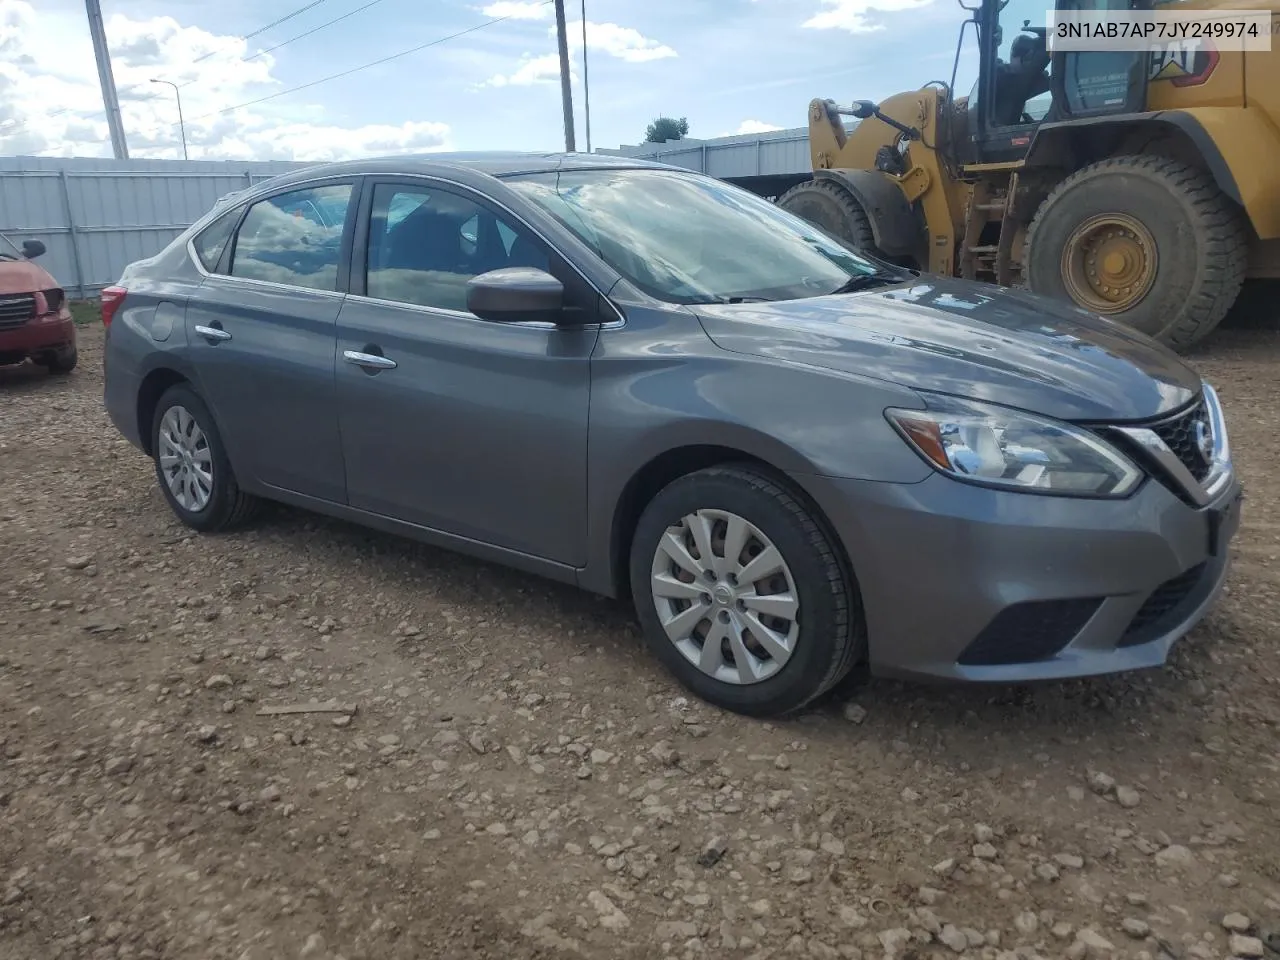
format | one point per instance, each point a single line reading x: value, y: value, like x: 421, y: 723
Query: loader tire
x: 831, y: 207
x: 1148, y: 241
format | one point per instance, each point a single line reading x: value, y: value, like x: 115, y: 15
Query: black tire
x: 62, y: 362
x: 1200, y: 239
x: 228, y: 505
x: 827, y: 205
x: 1255, y: 307
x: 831, y: 634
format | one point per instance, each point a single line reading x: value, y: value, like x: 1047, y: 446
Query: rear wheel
x: 834, y: 209
x: 1145, y: 240
x: 191, y: 464
x: 741, y: 594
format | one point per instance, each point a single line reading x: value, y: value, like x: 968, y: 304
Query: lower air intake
x: 1163, y: 609
x: 1027, y: 632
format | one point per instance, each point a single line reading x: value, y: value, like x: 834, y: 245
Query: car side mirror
x: 516, y: 294
x: 32, y: 248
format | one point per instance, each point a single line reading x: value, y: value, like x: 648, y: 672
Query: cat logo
x: 1185, y: 63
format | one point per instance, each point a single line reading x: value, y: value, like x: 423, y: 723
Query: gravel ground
x: 515, y: 777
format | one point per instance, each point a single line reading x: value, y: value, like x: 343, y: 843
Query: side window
x: 427, y: 255
x: 212, y: 240
x: 294, y: 238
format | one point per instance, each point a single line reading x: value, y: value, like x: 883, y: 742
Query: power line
x: 266, y: 27
x: 363, y: 66
x: 327, y: 23
x: 287, y: 16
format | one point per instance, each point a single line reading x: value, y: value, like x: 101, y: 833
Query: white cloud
x: 857, y: 16
x: 624, y: 43
x: 755, y: 126
x: 532, y: 71
x: 518, y: 9
x: 305, y: 141
x: 50, y: 101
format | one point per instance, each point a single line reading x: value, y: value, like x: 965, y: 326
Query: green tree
x: 666, y: 128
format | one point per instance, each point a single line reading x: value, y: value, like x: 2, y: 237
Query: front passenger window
x: 426, y: 256
x: 294, y: 238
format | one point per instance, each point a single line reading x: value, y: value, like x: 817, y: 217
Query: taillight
x: 112, y: 297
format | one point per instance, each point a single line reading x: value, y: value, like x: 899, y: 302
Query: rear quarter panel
x: 148, y: 335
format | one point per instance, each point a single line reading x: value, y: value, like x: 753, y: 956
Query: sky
x: 728, y: 66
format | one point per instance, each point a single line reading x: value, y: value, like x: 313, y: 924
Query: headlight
x: 999, y: 447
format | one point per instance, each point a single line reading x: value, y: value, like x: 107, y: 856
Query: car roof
x: 492, y: 163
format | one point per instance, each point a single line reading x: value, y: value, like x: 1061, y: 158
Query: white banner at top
x: 1152, y: 30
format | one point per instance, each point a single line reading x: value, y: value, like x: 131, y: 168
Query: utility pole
x: 566, y: 89
x: 586, y: 90
x: 181, y: 125
x: 109, y: 100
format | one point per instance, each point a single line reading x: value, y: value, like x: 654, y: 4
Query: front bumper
x: 39, y: 335
x: 962, y: 582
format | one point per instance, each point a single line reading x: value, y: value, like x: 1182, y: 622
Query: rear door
x: 261, y: 331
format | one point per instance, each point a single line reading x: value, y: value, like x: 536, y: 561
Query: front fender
x: 1238, y: 146
x: 893, y: 224
x: 799, y: 420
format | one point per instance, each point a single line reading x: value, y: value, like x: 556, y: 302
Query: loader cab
x: 1023, y: 83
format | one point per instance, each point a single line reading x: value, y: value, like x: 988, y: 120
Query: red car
x: 35, y: 322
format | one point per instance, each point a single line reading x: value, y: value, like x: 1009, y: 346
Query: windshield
x: 11, y: 245
x: 686, y: 238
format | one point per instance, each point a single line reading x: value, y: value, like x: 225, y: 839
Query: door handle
x: 368, y: 360
x: 212, y: 333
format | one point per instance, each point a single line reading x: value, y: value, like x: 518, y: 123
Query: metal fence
x: 776, y: 153
x: 97, y: 216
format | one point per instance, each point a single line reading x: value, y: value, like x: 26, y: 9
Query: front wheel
x: 62, y: 361
x: 741, y: 593
x: 832, y: 208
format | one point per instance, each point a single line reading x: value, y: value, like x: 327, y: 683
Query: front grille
x: 1163, y: 609
x: 1027, y: 632
x: 1179, y: 435
x: 15, y: 310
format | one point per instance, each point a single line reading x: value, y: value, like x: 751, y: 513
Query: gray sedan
x: 790, y: 456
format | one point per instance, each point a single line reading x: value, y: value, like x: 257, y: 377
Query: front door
x: 261, y: 332
x: 463, y: 425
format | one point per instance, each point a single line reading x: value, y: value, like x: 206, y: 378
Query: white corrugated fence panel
x: 96, y: 216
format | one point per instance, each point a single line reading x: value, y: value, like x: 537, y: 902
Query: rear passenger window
x: 294, y: 238
x: 212, y: 240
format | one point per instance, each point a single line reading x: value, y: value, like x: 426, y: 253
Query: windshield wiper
x: 725, y: 299
x: 866, y: 281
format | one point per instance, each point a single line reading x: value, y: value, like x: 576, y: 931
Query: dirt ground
x: 521, y: 780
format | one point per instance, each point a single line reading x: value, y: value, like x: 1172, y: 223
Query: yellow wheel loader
x: 1142, y: 186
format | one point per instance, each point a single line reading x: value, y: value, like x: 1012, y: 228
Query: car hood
x: 984, y: 343
x: 23, y: 276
